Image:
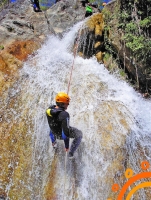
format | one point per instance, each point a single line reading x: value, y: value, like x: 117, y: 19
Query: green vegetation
x: 135, y: 21
x: 3, y: 3
x: 145, y: 23
x: 135, y: 27
x: 1, y: 47
x: 131, y: 20
x: 122, y: 73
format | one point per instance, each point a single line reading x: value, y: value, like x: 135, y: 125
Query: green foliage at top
x: 131, y: 28
x: 136, y: 26
x: 135, y: 43
x: 146, y: 23
x: 132, y: 19
x: 3, y: 3
x: 108, y: 16
x: 1, y: 47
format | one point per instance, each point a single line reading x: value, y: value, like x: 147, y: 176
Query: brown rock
x: 99, y: 56
x: 21, y: 49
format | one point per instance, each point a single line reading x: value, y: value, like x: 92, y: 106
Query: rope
x: 64, y: 196
x: 69, y: 83
x: 75, y: 53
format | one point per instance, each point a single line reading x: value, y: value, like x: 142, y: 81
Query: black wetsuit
x: 84, y: 2
x: 58, y: 120
x: 36, y: 5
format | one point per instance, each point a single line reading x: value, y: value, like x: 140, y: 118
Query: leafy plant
x: 131, y: 27
x: 146, y: 22
x: 122, y: 73
x: 1, y: 47
x: 135, y: 26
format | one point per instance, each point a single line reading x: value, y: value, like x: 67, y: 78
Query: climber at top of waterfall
x: 58, y: 120
x: 88, y: 6
x: 36, y: 5
x: 84, y: 2
x: 89, y: 10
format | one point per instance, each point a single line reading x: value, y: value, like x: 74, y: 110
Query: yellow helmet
x: 62, y: 97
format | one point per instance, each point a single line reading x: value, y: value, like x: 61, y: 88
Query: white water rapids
x: 92, y: 85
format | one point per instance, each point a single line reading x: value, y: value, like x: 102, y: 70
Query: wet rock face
x: 11, y: 60
x: 92, y: 38
x: 16, y: 149
x: 65, y: 14
x: 19, y: 21
x: 21, y: 49
x: 22, y: 31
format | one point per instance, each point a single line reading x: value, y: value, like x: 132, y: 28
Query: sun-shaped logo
x: 131, y: 179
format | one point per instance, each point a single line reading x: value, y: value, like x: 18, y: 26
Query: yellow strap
x: 48, y: 112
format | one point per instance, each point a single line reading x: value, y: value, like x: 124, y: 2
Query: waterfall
x: 114, y: 119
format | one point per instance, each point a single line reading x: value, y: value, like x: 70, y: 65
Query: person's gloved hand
x: 66, y: 150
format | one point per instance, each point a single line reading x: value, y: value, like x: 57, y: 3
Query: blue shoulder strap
x: 52, y: 137
x: 64, y: 137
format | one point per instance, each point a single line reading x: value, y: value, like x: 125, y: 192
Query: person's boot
x: 70, y: 155
x: 55, y: 145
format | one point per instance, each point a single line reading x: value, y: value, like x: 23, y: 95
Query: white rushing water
x: 48, y: 73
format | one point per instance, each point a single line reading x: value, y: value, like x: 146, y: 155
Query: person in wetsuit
x: 58, y: 120
x: 36, y: 5
x: 89, y: 10
x: 84, y: 2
